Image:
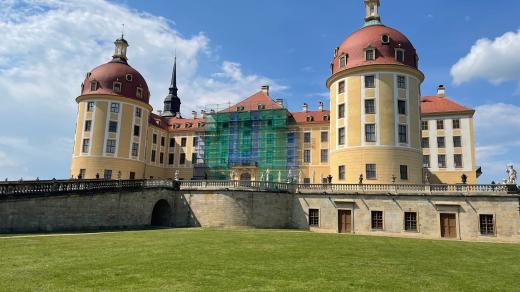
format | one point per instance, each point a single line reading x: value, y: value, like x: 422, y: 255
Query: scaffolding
x: 254, y: 142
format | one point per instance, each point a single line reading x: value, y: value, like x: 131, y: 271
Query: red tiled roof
x: 317, y: 117
x: 431, y: 105
x: 251, y: 103
x: 174, y: 124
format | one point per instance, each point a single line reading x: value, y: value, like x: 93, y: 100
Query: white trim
x: 378, y: 128
x: 408, y: 112
x: 362, y: 112
x: 396, y: 110
x: 132, y: 135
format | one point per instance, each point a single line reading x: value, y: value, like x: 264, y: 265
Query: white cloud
x: 49, y: 45
x: 497, y: 134
x: 493, y: 60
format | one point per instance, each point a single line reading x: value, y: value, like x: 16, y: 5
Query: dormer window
x: 129, y: 77
x: 385, y: 39
x: 326, y: 118
x: 200, y: 124
x: 261, y: 106
x: 88, y: 75
x: 187, y: 125
x: 370, y: 54
x: 336, y: 50
x: 416, y: 60
x: 399, y: 55
x: 93, y: 85
x: 139, y: 92
x: 343, y: 61
x: 116, y: 86
x: 310, y: 118
x: 240, y: 108
x: 177, y: 125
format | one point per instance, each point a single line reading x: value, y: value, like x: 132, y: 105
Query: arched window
x: 93, y: 85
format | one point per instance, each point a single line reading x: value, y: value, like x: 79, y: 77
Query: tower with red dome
x: 112, y: 120
x: 375, y: 105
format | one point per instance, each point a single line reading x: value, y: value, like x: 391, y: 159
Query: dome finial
x: 372, y: 12
x: 120, y: 51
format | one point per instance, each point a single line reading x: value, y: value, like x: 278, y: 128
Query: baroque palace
x: 378, y: 130
x: 384, y: 160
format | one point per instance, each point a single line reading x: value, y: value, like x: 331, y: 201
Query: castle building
x: 379, y: 130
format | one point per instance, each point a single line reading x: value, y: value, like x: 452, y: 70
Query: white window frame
x: 402, y: 51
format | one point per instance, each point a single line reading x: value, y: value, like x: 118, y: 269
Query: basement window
x: 314, y: 217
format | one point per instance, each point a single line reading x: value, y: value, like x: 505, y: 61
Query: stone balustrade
x: 54, y: 187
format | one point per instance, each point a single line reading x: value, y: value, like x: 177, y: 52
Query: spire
x: 120, y: 51
x: 372, y: 12
x: 172, y: 103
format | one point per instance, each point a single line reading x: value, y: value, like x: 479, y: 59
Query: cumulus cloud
x: 49, y: 45
x: 497, y: 134
x: 493, y: 60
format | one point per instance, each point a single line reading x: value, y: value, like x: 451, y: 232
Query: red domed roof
x: 116, y: 71
x: 371, y: 36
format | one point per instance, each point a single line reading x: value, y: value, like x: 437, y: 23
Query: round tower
x: 112, y: 121
x: 375, y: 106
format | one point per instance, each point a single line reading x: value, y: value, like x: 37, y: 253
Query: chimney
x: 265, y: 89
x: 305, y: 107
x: 202, y: 114
x: 160, y: 112
x: 279, y: 101
x: 441, y: 91
x: 320, y: 107
x: 193, y: 114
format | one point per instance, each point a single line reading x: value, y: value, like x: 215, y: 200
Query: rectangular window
x: 341, y: 87
x: 116, y: 86
x: 377, y: 220
x: 456, y: 124
x: 93, y: 86
x: 341, y: 111
x: 183, y: 142
x: 440, y: 124
x: 135, y: 149
x: 88, y: 125
x: 370, y: 54
x: 314, y: 217
x: 161, y: 158
x: 139, y: 92
x: 182, y: 158
x: 370, y: 107
x: 324, y: 137
x: 195, y: 141
x: 341, y: 136
x: 426, y: 161
x: 306, y: 180
x: 401, y: 107
x: 138, y: 112
x: 399, y: 55
x: 290, y: 138
x: 403, y: 171
x: 342, y: 61
x: 307, y: 137
x: 341, y: 172
x: 410, y: 221
x: 85, y: 145
x: 170, y: 158
x: 457, y: 141
x: 107, y: 174
x: 370, y: 81
x: 136, y: 130
x: 111, y: 146
x: 441, y: 143
x: 163, y: 140
x: 370, y: 132
x: 371, y: 171
x: 154, y: 139
x: 114, y: 107
x: 324, y: 155
x: 424, y: 125
x: 403, y: 134
x: 82, y: 173
x: 172, y: 142
x: 90, y: 106
x: 487, y: 224
x: 401, y: 82
x: 425, y: 142
x: 153, y: 155
x: 441, y: 161
x: 193, y: 158
x: 112, y: 127
x: 306, y: 156
x: 458, y: 160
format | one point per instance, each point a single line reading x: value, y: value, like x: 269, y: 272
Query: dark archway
x: 245, y: 176
x: 161, y: 214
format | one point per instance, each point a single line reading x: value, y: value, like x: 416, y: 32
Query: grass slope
x: 206, y: 259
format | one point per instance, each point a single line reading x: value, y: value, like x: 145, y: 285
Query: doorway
x: 345, y: 221
x: 161, y: 214
x: 448, y: 225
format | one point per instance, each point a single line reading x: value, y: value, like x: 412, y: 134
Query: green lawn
x: 208, y: 259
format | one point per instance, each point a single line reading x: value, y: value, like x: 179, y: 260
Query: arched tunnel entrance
x: 162, y: 214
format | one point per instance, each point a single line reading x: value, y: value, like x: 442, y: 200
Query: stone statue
x: 262, y: 177
x: 289, y: 176
x: 279, y: 176
x: 233, y: 175
x: 300, y: 177
x: 511, y: 175
x: 267, y: 172
x: 176, y: 177
x: 426, y: 177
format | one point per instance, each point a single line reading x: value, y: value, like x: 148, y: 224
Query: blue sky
x: 227, y: 49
